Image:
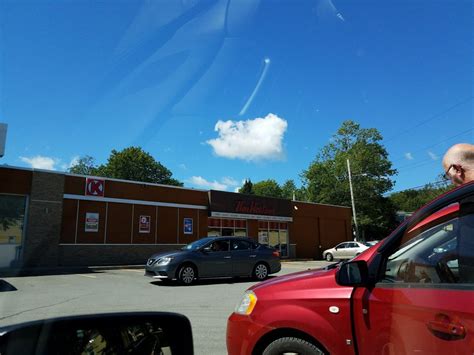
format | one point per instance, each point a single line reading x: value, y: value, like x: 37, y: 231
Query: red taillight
x: 276, y: 253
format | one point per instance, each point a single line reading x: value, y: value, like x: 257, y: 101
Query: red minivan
x: 411, y: 293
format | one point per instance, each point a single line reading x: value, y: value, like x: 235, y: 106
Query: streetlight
x: 3, y: 138
x: 352, y: 200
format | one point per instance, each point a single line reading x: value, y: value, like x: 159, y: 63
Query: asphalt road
x: 207, y: 304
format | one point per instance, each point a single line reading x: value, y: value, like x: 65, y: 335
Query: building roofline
x: 161, y: 185
x: 320, y: 204
x: 100, y: 177
x: 5, y: 166
x: 136, y: 182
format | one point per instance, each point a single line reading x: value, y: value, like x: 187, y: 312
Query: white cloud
x: 182, y: 166
x: 433, y: 155
x: 239, y: 185
x: 41, y: 162
x: 74, y: 161
x: 409, y: 156
x: 251, y: 140
x: 230, y: 181
x: 224, y: 184
x: 201, y: 182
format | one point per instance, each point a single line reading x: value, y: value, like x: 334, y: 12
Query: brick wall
x: 44, y: 220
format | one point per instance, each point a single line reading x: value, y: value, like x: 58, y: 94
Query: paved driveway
x: 207, y: 304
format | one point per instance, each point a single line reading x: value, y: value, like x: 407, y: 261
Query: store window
x: 214, y: 227
x: 225, y: 227
x: 12, y: 225
x: 274, y: 234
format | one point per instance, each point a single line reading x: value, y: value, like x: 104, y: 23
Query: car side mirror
x: 206, y: 249
x: 117, y: 333
x: 353, y: 273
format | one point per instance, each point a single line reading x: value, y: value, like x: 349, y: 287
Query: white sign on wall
x: 144, y: 224
x: 92, y: 222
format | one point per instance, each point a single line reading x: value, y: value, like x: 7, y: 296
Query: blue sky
x: 219, y: 91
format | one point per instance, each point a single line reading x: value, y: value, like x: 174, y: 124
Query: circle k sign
x: 95, y: 187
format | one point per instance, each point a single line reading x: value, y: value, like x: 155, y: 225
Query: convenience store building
x: 50, y: 219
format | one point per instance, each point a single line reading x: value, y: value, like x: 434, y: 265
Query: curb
x: 44, y: 271
x: 65, y: 270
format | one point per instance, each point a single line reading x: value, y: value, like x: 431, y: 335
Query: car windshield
x: 197, y: 244
x: 133, y: 129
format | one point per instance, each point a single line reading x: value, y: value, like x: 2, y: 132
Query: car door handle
x: 446, y: 328
x: 252, y: 256
x: 227, y: 257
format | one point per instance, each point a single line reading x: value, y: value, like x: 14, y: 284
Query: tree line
x: 131, y: 163
x: 326, y: 179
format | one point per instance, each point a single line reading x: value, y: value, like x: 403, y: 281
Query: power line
x: 436, y: 183
x: 416, y: 164
x: 438, y: 143
x: 426, y: 161
x: 431, y: 118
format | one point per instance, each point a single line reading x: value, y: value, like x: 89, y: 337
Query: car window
x: 241, y: 245
x: 353, y: 245
x: 442, y: 254
x: 195, y: 245
x: 219, y: 245
x: 341, y: 246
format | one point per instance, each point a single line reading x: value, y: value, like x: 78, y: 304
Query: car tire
x: 186, y: 274
x: 329, y: 257
x: 292, y: 345
x: 260, y: 271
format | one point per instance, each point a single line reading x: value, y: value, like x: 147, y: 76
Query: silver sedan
x: 345, y: 250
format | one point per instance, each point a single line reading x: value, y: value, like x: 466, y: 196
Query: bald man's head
x: 458, y: 163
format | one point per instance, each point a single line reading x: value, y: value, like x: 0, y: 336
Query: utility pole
x: 3, y: 138
x: 352, y: 200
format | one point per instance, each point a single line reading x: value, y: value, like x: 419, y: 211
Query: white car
x: 345, y: 250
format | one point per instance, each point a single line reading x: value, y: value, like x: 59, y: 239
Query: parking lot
x: 207, y: 304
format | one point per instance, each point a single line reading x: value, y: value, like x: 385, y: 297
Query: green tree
x: 412, y: 199
x: 247, y: 187
x: 268, y: 188
x: 327, y: 181
x: 84, y: 166
x: 289, y: 189
x: 131, y: 163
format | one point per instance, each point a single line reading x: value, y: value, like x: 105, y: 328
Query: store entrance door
x: 274, y: 234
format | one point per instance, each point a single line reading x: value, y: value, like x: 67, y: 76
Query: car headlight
x: 164, y: 261
x: 247, y: 304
